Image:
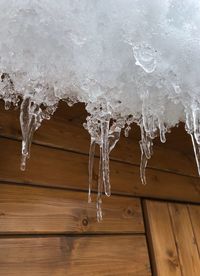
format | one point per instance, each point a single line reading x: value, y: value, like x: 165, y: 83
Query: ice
x: 31, y: 117
x: 145, y: 57
x: 90, y: 167
x: 129, y: 61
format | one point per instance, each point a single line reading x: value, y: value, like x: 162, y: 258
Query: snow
x: 127, y: 60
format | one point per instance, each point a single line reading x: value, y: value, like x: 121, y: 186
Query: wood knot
x: 85, y: 222
x: 173, y: 260
x: 129, y: 212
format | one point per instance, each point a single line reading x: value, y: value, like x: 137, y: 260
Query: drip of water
x: 90, y: 167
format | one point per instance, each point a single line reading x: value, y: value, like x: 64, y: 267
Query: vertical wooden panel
x: 184, y: 236
x: 162, y: 244
x: 194, y: 211
x: 74, y: 256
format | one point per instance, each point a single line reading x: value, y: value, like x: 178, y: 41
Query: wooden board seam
x: 112, y: 159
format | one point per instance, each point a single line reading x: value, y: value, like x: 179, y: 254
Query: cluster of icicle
x: 129, y: 61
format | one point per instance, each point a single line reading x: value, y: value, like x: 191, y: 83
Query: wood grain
x: 185, y: 240
x: 73, y: 256
x: 163, y: 249
x: 58, y: 168
x: 38, y: 210
x: 65, y: 131
x: 194, y: 211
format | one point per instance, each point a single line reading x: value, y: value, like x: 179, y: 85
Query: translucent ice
x: 127, y: 60
x: 145, y: 57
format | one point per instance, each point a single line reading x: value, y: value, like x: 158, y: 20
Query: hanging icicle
x: 104, y: 155
x: 30, y: 120
x: 31, y: 117
x: 146, y: 147
x: 192, y: 127
x: 90, y: 167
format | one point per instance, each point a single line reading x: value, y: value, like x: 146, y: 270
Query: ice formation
x: 127, y: 60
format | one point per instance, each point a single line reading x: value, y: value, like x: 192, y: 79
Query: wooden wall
x: 46, y: 225
x: 174, y: 237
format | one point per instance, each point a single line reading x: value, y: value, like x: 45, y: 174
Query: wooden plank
x: 185, y: 240
x: 65, y: 131
x: 58, y: 168
x: 163, y: 249
x: 34, y: 210
x: 72, y: 256
x: 194, y: 211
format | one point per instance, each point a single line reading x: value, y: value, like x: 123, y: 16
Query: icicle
x: 106, y: 134
x: 162, y: 130
x: 7, y: 105
x: 104, y: 152
x: 192, y: 126
x: 146, y: 145
x: 143, y: 164
x: 126, y: 131
x: 29, y: 123
x: 196, y: 148
x: 99, y: 194
x: 129, y: 121
x: 196, y: 123
x: 90, y: 167
x: 162, y: 136
x: 114, y: 136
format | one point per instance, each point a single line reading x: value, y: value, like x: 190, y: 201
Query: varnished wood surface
x: 73, y: 256
x: 194, y: 212
x: 50, y: 197
x: 37, y: 210
x: 163, y: 247
x: 173, y: 238
x: 65, y: 131
x: 185, y: 239
x: 58, y: 168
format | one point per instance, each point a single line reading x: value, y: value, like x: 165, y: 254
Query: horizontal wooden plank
x: 65, y: 131
x: 86, y: 256
x: 25, y: 209
x: 58, y: 168
x: 163, y: 249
